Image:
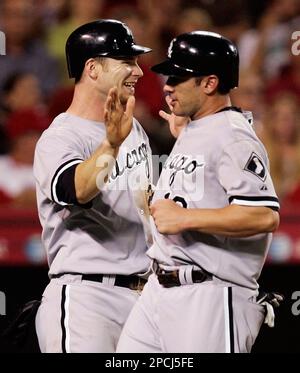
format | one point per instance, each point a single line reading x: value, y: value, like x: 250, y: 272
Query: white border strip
x: 66, y: 321
x: 254, y: 203
x: 226, y: 321
x: 56, y: 179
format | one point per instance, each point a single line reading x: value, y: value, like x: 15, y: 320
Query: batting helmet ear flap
x: 101, y: 38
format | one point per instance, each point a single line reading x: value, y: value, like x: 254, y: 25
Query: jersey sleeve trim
x: 58, y: 173
x: 271, y: 202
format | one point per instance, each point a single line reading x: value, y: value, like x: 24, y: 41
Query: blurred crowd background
x: 34, y: 88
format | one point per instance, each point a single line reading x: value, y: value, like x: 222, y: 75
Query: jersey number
x: 177, y: 199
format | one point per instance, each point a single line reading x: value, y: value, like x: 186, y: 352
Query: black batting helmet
x: 101, y: 38
x: 201, y: 53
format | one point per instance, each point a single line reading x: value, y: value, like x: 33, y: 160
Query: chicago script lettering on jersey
x: 132, y: 160
x: 182, y: 163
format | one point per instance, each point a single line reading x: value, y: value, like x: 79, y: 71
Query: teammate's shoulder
x: 240, y: 132
x: 238, y: 124
x: 59, y: 131
x: 136, y: 123
x: 226, y: 128
x: 57, y: 122
x: 239, y: 115
x: 62, y: 125
x: 136, y: 126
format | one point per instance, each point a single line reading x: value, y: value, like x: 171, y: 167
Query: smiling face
x: 185, y: 95
x: 120, y: 73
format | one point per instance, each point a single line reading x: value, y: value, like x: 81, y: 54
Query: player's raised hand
x: 118, y: 122
x: 168, y: 216
x: 176, y: 123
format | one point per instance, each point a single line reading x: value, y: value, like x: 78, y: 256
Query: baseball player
x: 92, y: 165
x: 213, y: 212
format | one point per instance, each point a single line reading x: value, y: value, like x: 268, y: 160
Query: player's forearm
x: 232, y: 221
x: 92, y: 174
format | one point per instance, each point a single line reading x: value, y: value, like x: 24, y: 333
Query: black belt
x: 169, y: 279
x: 131, y: 282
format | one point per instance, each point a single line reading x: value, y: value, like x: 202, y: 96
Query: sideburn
x: 198, y: 80
x: 103, y: 63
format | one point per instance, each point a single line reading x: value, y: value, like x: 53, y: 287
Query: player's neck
x: 212, y: 105
x: 87, y: 104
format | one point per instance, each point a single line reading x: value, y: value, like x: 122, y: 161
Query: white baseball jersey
x: 216, y: 161
x: 108, y: 236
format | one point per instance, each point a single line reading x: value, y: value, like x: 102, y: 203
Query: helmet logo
x: 170, y: 48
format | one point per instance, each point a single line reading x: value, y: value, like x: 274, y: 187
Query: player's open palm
x: 118, y: 122
x: 176, y: 123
